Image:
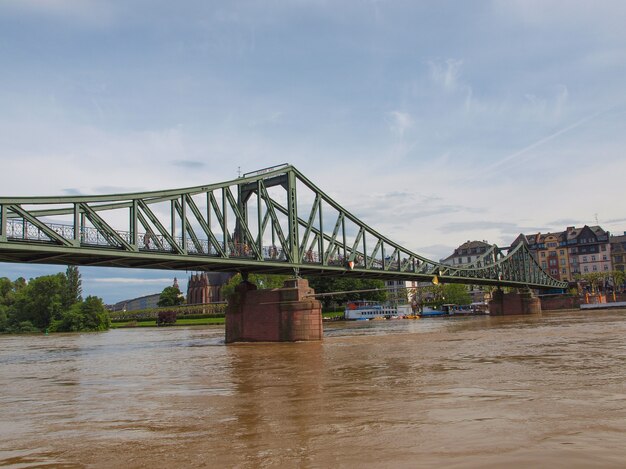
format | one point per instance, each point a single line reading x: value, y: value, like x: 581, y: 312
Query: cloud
x: 446, y: 73
x: 504, y: 228
x: 72, y: 191
x: 115, y: 189
x: 398, y: 206
x: 399, y: 122
x: 80, y: 13
x: 519, y: 156
x: 188, y: 164
x: 565, y: 222
x: 436, y: 252
x: 547, y: 109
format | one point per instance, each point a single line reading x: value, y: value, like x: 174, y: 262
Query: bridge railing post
x: 76, y: 240
x: 3, y: 223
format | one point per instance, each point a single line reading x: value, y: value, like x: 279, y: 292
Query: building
x: 467, y: 253
x: 142, y: 302
x: 550, y: 251
x: 206, y: 287
x: 566, y: 254
x: 590, y: 250
x: 618, y: 252
x: 135, y: 304
x: 401, y: 291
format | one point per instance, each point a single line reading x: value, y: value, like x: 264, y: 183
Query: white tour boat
x: 365, y: 310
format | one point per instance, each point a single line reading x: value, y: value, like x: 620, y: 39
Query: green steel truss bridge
x: 272, y: 221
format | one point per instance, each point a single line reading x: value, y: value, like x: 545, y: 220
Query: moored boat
x: 362, y: 310
x: 428, y: 312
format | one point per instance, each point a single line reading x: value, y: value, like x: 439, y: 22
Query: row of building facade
x: 563, y: 254
x: 575, y: 251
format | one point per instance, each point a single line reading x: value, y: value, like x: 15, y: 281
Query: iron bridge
x: 272, y: 221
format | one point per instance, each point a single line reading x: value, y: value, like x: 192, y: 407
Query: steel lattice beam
x: 210, y: 229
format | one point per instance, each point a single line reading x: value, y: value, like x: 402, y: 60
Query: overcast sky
x: 435, y: 122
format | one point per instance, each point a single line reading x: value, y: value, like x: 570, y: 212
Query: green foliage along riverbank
x: 50, y: 303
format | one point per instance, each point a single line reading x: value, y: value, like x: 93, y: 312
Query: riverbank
x: 179, y: 322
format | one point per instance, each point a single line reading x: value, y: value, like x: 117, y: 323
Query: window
x: 562, y: 252
x: 584, y: 258
x: 593, y: 258
x: 563, y: 271
x: 604, y: 257
x: 595, y: 268
x: 586, y: 269
x: 562, y: 261
x: 544, y: 265
x: 543, y: 254
x: 606, y: 267
x: 604, y: 247
x: 469, y: 260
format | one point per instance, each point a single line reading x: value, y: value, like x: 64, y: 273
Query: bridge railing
x: 22, y: 230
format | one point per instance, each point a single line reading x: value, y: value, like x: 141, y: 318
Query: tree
x: 95, y: 315
x: 618, y: 277
x: 7, y: 297
x: 73, y: 288
x: 40, y: 301
x: 88, y: 315
x: 351, y: 286
x: 171, y: 296
x: 6, y: 286
x: 44, y: 303
x: 456, y: 293
x: 593, y: 279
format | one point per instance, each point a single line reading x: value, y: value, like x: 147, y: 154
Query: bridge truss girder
x: 272, y: 221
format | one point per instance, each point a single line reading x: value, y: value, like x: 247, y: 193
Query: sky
x: 435, y: 122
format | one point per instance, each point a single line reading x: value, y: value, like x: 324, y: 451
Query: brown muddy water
x: 545, y: 391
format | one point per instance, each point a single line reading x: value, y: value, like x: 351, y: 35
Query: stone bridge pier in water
x: 287, y: 314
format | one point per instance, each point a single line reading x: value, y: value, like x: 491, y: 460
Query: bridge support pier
x: 286, y: 314
x: 523, y: 302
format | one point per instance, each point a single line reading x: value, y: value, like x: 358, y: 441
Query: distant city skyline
x: 433, y: 122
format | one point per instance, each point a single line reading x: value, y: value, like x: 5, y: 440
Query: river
x: 540, y: 391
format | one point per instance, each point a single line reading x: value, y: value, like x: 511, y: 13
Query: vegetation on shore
x: 51, y: 303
